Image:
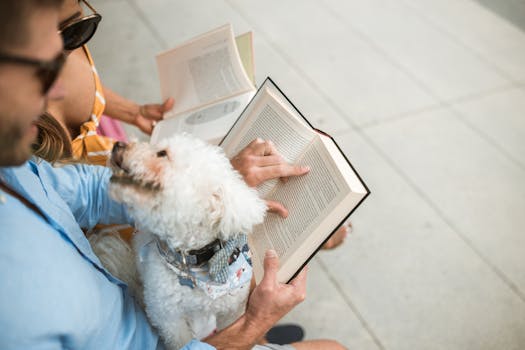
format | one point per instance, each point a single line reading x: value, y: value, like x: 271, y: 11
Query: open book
x: 318, y: 202
x: 210, y: 82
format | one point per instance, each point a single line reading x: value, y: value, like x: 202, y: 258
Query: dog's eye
x: 162, y: 153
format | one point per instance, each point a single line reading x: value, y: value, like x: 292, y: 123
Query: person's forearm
x: 119, y: 107
x: 240, y: 335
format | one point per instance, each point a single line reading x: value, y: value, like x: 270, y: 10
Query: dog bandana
x: 232, y: 268
x: 239, y: 275
x: 220, y: 262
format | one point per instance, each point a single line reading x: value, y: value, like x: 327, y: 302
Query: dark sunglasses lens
x: 50, y: 74
x: 79, y: 33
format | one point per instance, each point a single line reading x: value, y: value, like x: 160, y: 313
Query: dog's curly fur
x: 184, y: 192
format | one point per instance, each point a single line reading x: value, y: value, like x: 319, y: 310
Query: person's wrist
x: 128, y: 112
x: 241, y: 335
x: 258, y: 321
x: 138, y: 111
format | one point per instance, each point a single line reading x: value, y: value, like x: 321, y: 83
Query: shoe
x: 285, y: 334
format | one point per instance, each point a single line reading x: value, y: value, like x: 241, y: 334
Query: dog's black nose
x: 117, y: 153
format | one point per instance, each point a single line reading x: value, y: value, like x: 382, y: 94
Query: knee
x: 323, y: 344
x: 334, y: 345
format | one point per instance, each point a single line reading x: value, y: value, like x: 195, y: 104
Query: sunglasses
x: 47, y: 71
x: 78, y: 32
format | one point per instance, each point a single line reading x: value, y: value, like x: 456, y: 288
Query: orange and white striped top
x: 92, y: 148
x: 89, y: 146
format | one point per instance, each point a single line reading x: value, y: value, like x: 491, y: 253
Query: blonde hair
x: 53, y: 143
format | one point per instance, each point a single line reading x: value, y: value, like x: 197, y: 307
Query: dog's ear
x: 236, y: 209
x: 216, y: 208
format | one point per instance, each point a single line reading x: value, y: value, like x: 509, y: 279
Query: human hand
x: 260, y: 161
x: 267, y: 304
x: 149, y: 114
x: 271, y: 300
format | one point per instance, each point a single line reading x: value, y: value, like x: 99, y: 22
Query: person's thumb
x: 271, y: 265
x: 168, y: 104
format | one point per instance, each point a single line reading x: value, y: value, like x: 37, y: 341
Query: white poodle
x: 192, y: 211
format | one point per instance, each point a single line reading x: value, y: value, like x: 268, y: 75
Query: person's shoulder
x: 16, y: 217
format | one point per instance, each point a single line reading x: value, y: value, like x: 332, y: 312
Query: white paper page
x: 210, y: 123
x: 271, y: 119
x: 202, y: 71
x: 309, y: 199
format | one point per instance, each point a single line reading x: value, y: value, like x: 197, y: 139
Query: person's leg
x: 268, y: 346
x: 321, y: 344
x: 339, y: 236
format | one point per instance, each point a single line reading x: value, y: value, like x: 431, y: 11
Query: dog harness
x: 218, y: 268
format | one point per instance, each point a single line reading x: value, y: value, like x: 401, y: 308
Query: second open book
x: 211, y: 78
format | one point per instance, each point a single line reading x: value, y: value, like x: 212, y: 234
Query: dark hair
x: 53, y: 143
x: 13, y: 19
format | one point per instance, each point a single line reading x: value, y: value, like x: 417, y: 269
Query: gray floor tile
x: 306, y: 96
x: 349, y: 72
x: 489, y: 35
x: 176, y: 21
x: 448, y: 69
x: 501, y: 118
x: 325, y: 315
x: 414, y: 281
x: 477, y: 189
x: 512, y: 10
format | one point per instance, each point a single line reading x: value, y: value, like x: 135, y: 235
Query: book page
x: 310, y: 200
x: 268, y: 118
x: 202, y: 71
x: 210, y: 123
x: 245, y: 47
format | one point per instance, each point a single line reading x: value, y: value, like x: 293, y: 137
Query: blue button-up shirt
x: 54, y: 292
